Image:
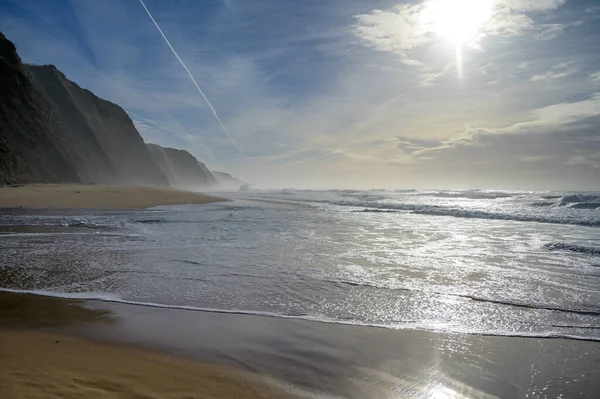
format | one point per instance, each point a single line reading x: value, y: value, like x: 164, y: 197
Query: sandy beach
x: 96, y: 196
x: 37, y: 360
x: 116, y: 350
x: 45, y: 365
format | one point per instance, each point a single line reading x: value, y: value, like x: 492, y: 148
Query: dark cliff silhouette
x: 53, y: 131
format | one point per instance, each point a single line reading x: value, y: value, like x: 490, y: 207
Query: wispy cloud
x: 551, y: 75
x: 533, y: 5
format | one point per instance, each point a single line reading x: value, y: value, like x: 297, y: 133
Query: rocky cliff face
x: 182, y: 169
x: 100, y: 136
x: 53, y: 131
x: 31, y: 146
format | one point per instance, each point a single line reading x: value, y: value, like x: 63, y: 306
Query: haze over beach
x: 328, y: 199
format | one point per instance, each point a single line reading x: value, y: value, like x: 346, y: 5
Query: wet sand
x: 38, y: 361
x: 315, y: 358
x: 45, y: 365
x: 96, y: 196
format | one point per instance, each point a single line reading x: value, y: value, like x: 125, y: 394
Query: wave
x: 580, y: 201
x: 573, y: 201
x: 471, y: 194
x: 83, y: 224
x: 377, y: 211
x: 362, y: 195
x: 586, y: 205
x: 152, y: 221
x: 543, y: 204
x: 401, y: 325
x: 473, y: 214
x: 574, y: 198
x: 437, y: 210
x: 562, y: 246
x: 585, y: 312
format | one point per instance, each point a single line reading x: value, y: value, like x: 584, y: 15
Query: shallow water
x: 499, y: 263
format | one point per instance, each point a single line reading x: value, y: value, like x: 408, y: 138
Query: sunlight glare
x: 459, y: 20
x: 445, y: 393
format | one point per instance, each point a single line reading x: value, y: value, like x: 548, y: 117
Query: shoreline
x: 329, y: 359
x: 63, y: 196
x: 108, y: 300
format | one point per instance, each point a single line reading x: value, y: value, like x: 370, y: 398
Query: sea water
x: 470, y: 261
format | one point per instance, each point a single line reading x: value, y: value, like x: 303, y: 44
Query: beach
x: 292, y: 294
x: 96, y: 196
x: 75, y: 348
x: 44, y: 365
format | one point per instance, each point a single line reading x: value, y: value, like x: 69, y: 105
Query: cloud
x: 552, y: 75
x: 550, y: 31
x: 590, y: 159
x: 595, y: 77
x: 404, y: 28
x: 411, y: 145
x: 550, y: 119
x: 428, y: 78
x: 533, y: 5
x: 398, y: 30
x: 592, y: 10
x: 555, y: 147
x: 507, y: 23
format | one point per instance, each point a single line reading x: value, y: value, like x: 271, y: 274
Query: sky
x: 492, y: 94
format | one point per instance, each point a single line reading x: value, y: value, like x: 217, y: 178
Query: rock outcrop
x: 182, y: 169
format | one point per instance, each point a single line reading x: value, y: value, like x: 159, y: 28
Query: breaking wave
x: 437, y: 210
x: 465, y: 213
x: 580, y: 201
x: 562, y: 246
x: 471, y: 194
x: 577, y: 198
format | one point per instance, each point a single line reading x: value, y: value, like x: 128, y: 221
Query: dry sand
x: 43, y: 365
x: 96, y: 196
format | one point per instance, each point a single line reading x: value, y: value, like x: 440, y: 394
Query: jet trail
x: 214, y: 111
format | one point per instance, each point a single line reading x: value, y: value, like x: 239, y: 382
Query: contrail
x: 214, y: 111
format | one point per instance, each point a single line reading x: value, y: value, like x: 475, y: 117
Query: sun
x: 458, y: 20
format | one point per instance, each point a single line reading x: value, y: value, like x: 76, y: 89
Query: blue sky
x: 345, y: 93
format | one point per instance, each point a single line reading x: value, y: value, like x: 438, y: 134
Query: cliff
x: 53, y: 131
x: 227, y: 180
x: 182, y: 169
x: 104, y: 144
x: 31, y: 147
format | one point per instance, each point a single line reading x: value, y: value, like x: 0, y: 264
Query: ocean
x: 469, y: 261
